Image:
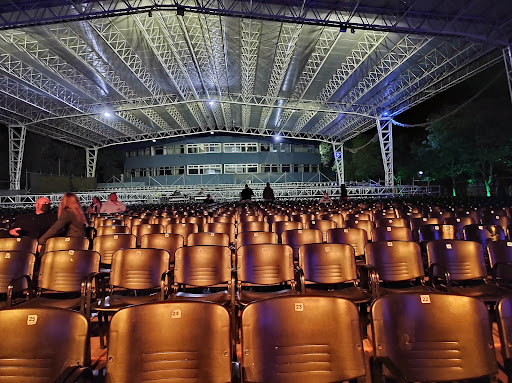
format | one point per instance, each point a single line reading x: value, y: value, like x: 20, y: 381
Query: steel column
x: 338, y: 160
x: 91, y: 155
x: 385, y: 131
x: 16, y: 147
x: 507, y: 55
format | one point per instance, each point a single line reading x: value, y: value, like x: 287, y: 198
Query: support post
x: 17, y: 135
x: 507, y: 56
x: 337, y: 149
x: 385, y: 130
x: 91, y: 155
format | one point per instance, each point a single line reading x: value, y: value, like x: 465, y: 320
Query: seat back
x: 65, y: 270
x: 107, y: 245
x: 281, y: 226
x: 252, y: 226
x: 195, y: 346
x: 105, y: 230
x: 138, y: 268
x: 224, y: 219
x: 483, y: 234
x: 358, y: 224
x: 504, y: 319
x: 167, y: 241
x: 183, y: 229
x: 208, y: 239
x: 434, y: 337
x: 202, y: 265
x: 391, y: 233
x: 394, y: 222
x: 298, y: 237
x: 265, y: 264
x: 66, y: 243
x: 25, y: 244
x: 221, y: 227
x: 357, y: 238
x: 38, y: 344
x: 106, y: 221
x: 301, y: 339
x: 199, y: 220
x: 395, y: 260
x: 141, y: 230
x: 429, y: 233
x: 327, y: 262
x: 273, y: 218
x: 322, y: 225
x: 254, y: 237
x: 336, y: 217
x: 464, y: 260
x: 14, y: 264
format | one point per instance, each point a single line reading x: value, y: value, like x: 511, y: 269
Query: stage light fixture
x: 180, y: 11
x: 153, y: 140
x: 352, y: 30
x: 211, y: 103
x: 107, y: 114
x: 343, y: 28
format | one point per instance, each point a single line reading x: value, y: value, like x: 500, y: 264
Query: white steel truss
x: 16, y: 148
x: 91, y: 155
x: 385, y: 131
x: 364, y: 48
x: 284, y: 51
x: 339, y: 161
x: 249, y: 40
x: 507, y: 56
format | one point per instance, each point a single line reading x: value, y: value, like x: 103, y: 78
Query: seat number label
x: 31, y: 320
x: 299, y: 307
x: 425, y: 299
x: 176, y: 314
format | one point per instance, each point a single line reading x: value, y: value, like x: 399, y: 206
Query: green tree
x: 471, y: 142
x: 363, y: 159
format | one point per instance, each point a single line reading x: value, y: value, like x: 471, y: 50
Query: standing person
x: 325, y: 198
x: 94, y: 207
x: 113, y: 205
x: 208, y: 199
x: 71, y: 220
x: 268, y: 194
x: 343, y: 193
x: 246, y: 194
x: 34, y: 224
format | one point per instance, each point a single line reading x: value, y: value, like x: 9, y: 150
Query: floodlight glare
x: 153, y: 140
x: 277, y: 138
x: 107, y: 114
x: 211, y: 103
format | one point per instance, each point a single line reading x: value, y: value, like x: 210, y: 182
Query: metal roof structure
x: 99, y: 73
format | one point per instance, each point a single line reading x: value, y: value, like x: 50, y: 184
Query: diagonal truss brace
x: 385, y: 130
x: 507, y: 55
x: 91, y: 155
x: 17, y: 135
x: 337, y: 149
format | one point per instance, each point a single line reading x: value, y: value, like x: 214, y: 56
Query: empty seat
x: 252, y: 226
x: 272, y: 219
x: 263, y: 271
x: 183, y: 229
x: 429, y: 233
x: 107, y: 245
x: 504, y: 319
x: 395, y: 222
x: 357, y: 224
x: 143, y: 229
x: 297, y: 238
x: 254, y: 237
x: 323, y: 226
x: 500, y: 258
x: 105, y: 230
x: 25, y: 244
x: 16, y: 268
x: 483, y: 234
x: 281, y: 226
x: 301, y: 339
x: 357, y: 238
x: 200, y: 221
x: 460, y: 267
x: 391, y: 233
x: 222, y: 227
x: 399, y: 266
x: 43, y: 345
x: 208, y: 239
x: 431, y: 337
x: 66, y: 243
x: 170, y: 342
x: 167, y: 241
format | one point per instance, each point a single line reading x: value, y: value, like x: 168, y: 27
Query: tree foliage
x: 470, y: 143
x: 363, y: 159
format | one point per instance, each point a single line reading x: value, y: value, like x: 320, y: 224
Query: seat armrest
x: 376, y: 364
x: 445, y: 276
x: 301, y: 279
x: 167, y: 276
x: 369, y: 278
x: 12, y: 283
x: 73, y: 374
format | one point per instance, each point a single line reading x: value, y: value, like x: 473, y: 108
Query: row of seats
x: 415, y: 338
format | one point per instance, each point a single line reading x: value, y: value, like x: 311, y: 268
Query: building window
x: 285, y: 168
x: 245, y: 147
x: 265, y: 147
x: 159, y: 150
x: 203, y: 148
x: 204, y: 169
x: 240, y: 168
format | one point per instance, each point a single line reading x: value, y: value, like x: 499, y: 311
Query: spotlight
x: 150, y: 13
x: 212, y: 132
x: 277, y: 138
x: 343, y: 28
x: 211, y: 103
x: 385, y: 114
x: 180, y: 11
x: 153, y: 140
x: 420, y: 173
x: 352, y: 30
x: 107, y: 114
